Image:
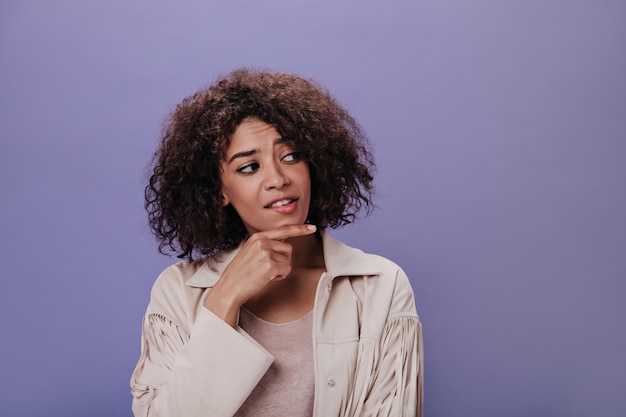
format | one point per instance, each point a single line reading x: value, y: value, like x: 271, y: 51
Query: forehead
x: 254, y: 127
x: 252, y: 134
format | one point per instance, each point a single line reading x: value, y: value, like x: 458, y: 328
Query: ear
x: 225, y: 200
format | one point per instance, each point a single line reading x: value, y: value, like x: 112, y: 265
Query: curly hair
x: 183, y: 197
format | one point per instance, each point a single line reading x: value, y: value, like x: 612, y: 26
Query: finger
x: 260, y: 244
x: 282, y: 271
x: 286, y: 232
x: 275, y: 264
x: 277, y: 257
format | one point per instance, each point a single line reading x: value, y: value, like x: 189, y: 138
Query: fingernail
x: 311, y: 227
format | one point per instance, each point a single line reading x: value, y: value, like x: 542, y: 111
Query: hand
x: 264, y: 257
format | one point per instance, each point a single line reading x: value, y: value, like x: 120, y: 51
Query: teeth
x: 281, y: 203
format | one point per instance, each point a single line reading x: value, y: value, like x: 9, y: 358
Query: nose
x: 275, y: 176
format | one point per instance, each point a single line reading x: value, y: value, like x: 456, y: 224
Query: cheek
x: 305, y: 174
x: 238, y: 193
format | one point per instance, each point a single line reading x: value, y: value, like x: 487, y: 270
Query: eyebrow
x: 251, y: 152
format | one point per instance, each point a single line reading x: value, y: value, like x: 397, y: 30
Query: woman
x: 268, y: 315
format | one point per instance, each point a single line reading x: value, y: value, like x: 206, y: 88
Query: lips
x: 281, y: 202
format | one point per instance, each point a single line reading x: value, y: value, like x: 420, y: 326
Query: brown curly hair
x: 183, y: 197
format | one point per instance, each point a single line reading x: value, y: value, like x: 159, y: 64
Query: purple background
x: 500, y: 133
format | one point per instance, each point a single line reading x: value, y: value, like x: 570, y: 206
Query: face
x: 264, y: 178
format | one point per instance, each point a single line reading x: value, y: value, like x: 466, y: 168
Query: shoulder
x: 391, y: 269
x: 175, y: 276
x: 171, y: 296
x: 394, y: 282
x: 386, y: 266
x: 373, y: 278
x: 349, y: 261
x: 384, y: 297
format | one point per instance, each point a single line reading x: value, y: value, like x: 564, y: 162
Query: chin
x: 271, y: 224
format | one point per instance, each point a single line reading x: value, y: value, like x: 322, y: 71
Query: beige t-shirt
x: 288, y: 387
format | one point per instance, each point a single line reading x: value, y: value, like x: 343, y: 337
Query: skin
x: 275, y: 273
x: 261, y: 167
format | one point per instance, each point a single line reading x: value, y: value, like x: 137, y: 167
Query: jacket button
x: 331, y: 382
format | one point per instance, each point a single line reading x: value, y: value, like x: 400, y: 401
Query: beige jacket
x: 366, y: 338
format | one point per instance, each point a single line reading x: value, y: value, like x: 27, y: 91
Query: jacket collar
x: 340, y: 259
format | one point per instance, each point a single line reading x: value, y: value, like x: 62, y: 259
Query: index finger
x: 292, y: 230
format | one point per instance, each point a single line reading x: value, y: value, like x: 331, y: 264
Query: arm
x: 391, y: 366
x: 397, y: 387
x: 209, y: 373
x: 211, y: 369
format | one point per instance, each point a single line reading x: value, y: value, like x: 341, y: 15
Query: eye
x: 291, y: 157
x: 248, y: 169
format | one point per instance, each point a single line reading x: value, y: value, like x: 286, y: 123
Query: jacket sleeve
x: 207, y: 373
x: 395, y: 363
x: 397, y: 387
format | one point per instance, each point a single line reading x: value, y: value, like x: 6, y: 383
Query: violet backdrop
x: 500, y: 134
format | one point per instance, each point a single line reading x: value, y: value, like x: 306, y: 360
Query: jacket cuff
x: 219, y: 367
